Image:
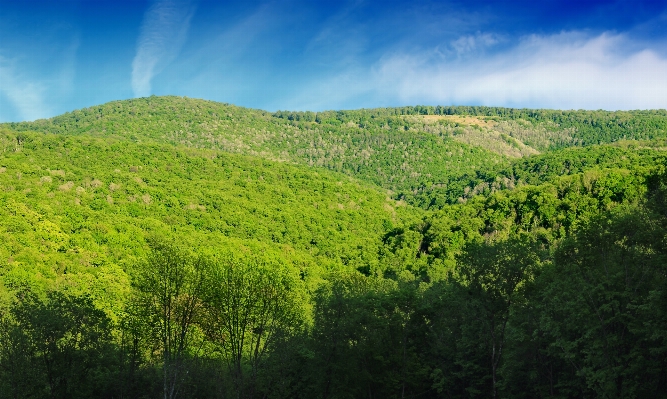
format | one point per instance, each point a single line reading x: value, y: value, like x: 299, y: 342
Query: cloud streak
x: 471, y: 43
x: 26, y: 94
x: 163, y: 33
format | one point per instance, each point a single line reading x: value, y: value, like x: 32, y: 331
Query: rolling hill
x: 168, y: 243
x: 410, y: 151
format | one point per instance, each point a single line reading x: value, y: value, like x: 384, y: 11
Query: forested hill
x: 412, y: 151
x: 179, y: 248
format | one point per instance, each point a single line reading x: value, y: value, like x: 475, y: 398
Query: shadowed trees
x: 250, y: 305
x: 56, y: 347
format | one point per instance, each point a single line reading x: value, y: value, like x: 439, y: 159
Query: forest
x: 181, y: 248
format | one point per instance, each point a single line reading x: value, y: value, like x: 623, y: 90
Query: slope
x: 411, y: 151
x: 77, y: 209
x: 389, y: 154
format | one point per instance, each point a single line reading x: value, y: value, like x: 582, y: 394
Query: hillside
x: 392, y: 155
x: 410, y: 151
x: 81, y: 204
x: 167, y: 244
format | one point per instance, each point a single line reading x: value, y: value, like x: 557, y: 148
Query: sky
x: 60, y: 55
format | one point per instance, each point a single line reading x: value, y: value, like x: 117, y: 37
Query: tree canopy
x: 180, y: 248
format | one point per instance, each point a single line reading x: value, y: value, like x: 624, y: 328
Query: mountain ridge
x: 408, y: 150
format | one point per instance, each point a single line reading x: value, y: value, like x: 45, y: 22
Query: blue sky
x: 60, y: 55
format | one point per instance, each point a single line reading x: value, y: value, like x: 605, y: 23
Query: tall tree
x: 492, y: 276
x: 170, y: 287
x: 250, y: 304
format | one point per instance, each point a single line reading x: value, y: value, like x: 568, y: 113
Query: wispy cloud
x: 471, y: 43
x: 67, y: 73
x: 569, y: 70
x: 25, y: 95
x: 245, y: 58
x: 28, y: 89
x: 163, y: 32
x: 234, y: 41
x: 341, y: 38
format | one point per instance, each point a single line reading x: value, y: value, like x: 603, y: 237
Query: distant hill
x: 410, y: 150
x: 107, y: 177
x: 394, y: 156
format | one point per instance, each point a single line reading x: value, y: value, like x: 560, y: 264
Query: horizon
x: 330, y: 110
x: 58, y: 57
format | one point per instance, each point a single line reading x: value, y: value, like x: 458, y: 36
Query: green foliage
x: 390, y: 155
x: 600, y: 296
x: 77, y: 210
x: 58, y: 347
x: 493, y: 276
x: 170, y: 290
x: 251, y: 304
x: 182, y: 248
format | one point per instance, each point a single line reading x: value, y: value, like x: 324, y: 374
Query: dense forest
x: 180, y: 248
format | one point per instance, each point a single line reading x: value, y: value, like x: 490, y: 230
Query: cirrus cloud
x: 163, y: 33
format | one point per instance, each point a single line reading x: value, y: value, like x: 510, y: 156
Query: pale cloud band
x: 560, y: 71
x: 570, y: 70
x: 163, y: 33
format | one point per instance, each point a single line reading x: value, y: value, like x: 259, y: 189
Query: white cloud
x: 25, y: 95
x: 163, y: 33
x: 570, y: 70
x: 567, y: 70
x: 33, y: 95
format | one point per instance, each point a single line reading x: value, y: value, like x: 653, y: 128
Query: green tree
x: 251, y: 303
x: 58, y: 348
x: 602, y: 305
x: 493, y: 276
x: 170, y: 287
